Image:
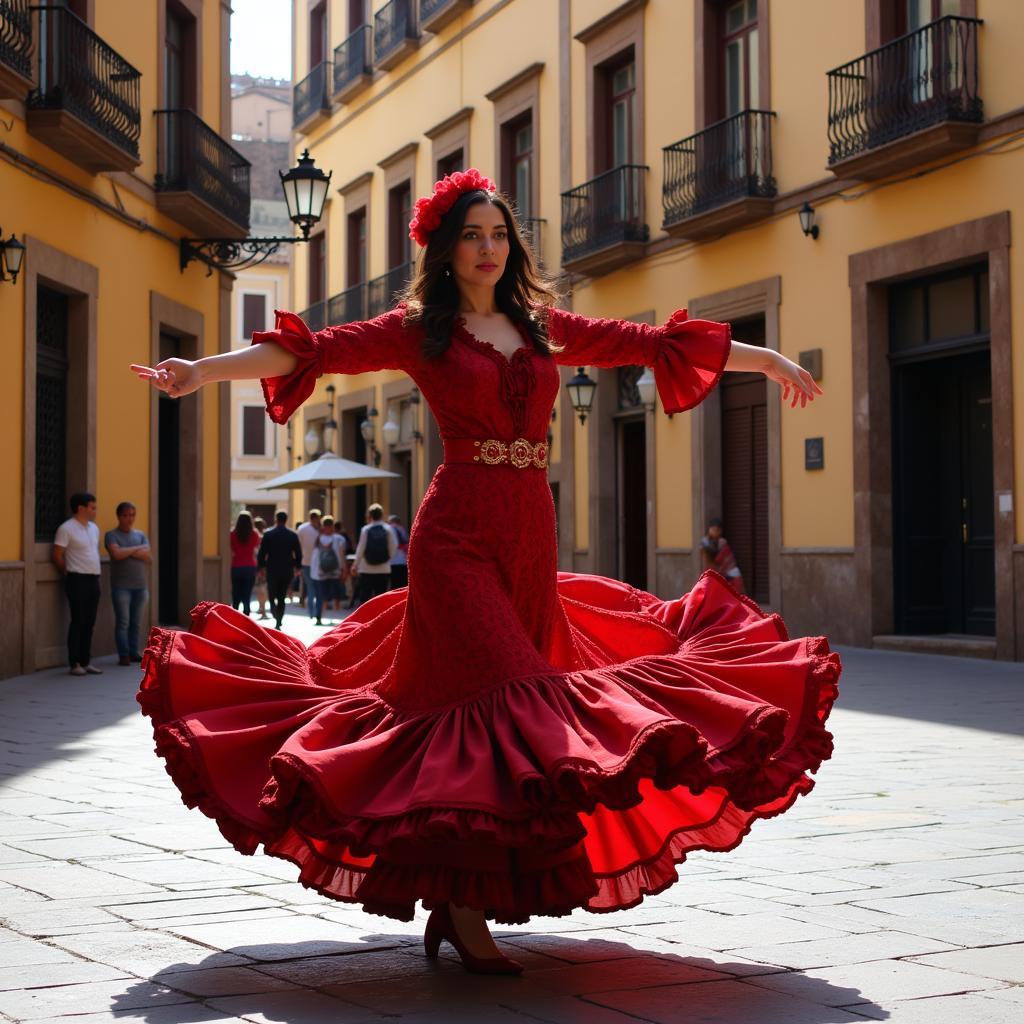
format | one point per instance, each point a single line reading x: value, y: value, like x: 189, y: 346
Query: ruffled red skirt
x: 540, y: 795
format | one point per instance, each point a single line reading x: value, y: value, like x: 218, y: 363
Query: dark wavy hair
x: 244, y: 525
x: 523, y: 293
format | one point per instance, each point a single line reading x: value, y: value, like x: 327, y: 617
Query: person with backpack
x: 325, y: 568
x: 376, y: 547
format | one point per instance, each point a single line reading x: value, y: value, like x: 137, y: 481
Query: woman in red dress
x: 499, y: 739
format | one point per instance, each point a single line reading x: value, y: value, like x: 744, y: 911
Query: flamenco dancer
x: 499, y: 739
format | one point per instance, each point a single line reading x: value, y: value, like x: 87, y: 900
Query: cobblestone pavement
x: 895, y: 891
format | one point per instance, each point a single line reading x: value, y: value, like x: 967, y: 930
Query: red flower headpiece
x: 430, y: 209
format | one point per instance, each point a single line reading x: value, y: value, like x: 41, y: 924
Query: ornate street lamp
x: 12, y: 252
x: 581, y: 393
x: 366, y: 429
x: 807, y: 224
x: 646, y: 387
x: 305, y: 191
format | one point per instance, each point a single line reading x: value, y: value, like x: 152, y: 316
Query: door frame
x: 758, y: 298
x: 870, y: 274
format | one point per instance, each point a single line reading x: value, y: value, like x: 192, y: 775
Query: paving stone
x: 87, y: 997
x: 716, y: 931
x: 849, y: 949
x: 167, y: 870
x: 951, y: 1009
x: 223, y: 981
x: 630, y: 972
x: 69, y: 972
x: 295, y: 1008
x: 182, y: 906
x: 1003, y: 962
x: 720, y: 1002
x: 65, y: 881
x: 877, y: 981
x: 178, y: 1013
x: 319, y: 972
x: 146, y: 953
x: 78, y: 847
x: 16, y: 951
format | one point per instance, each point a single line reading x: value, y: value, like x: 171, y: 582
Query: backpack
x: 376, y: 551
x: 329, y: 563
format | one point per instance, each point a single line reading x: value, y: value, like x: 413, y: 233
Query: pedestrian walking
x: 76, y: 553
x: 280, y: 559
x: 327, y: 562
x: 498, y: 740
x: 130, y: 557
x: 308, y: 533
x: 718, y: 555
x: 372, y: 566
x: 259, y: 590
x: 399, y: 561
x: 245, y: 542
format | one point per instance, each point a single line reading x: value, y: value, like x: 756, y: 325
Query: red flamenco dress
x: 498, y: 734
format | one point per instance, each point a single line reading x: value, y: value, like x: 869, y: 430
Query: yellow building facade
x: 837, y: 180
x: 114, y: 117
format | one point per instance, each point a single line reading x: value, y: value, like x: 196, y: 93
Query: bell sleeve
x: 688, y: 356
x: 379, y: 344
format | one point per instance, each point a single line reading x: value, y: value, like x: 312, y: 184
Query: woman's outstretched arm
x: 182, y: 376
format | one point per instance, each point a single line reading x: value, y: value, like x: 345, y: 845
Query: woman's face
x: 481, y: 252
x: 714, y: 532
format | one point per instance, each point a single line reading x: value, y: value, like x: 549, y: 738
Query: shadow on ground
x: 573, y: 979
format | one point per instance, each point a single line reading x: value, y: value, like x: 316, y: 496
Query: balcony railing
x: 16, y: 44
x: 917, y: 81
x: 383, y: 291
x: 729, y: 160
x: 78, y: 73
x: 310, y: 98
x: 435, y: 14
x: 353, y: 61
x: 315, y: 316
x: 394, y: 32
x: 348, y: 306
x: 193, y: 158
x: 604, y: 212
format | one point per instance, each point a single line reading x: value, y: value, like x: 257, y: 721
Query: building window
x: 399, y: 215
x: 517, y: 162
x: 179, y: 58
x: 903, y: 16
x: 51, y: 411
x: 739, y: 56
x: 254, y: 313
x: 254, y: 430
x: 450, y: 164
x: 318, y: 34
x: 357, y: 15
x: 317, y: 268
x: 617, y: 137
x: 357, y: 250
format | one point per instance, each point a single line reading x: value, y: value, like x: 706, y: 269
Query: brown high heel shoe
x: 441, y: 926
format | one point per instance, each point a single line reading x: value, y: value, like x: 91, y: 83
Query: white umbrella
x: 327, y: 472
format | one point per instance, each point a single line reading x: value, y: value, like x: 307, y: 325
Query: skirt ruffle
x: 580, y: 788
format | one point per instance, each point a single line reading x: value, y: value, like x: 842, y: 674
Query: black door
x: 744, y: 398
x: 633, y: 502
x: 943, y: 512
x: 168, y: 547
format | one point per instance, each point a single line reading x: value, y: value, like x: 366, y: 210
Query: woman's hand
x: 791, y: 378
x: 176, y: 377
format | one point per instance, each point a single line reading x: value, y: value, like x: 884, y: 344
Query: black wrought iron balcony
x: 910, y: 101
x: 311, y: 102
x: 315, y: 316
x: 353, y: 64
x: 604, y: 221
x: 348, y: 306
x: 719, y: 178
x: 201, y: 181
x: 394, y: 33
x: 15, y: 49
x: 435, y: 14
x: 384, y: 291
x: 86, y: 101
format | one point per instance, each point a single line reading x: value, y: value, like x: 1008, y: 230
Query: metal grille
x: 16, y: 36
x: 603, y: 211
x: 920, y: 79
x: 725, y: 161
x: 348, y: 306
x: 51, y: 411
x: 392, y: 25
x: 310, y: 95
x: 80, y: 73
x: 384, y: 290
x: 192, y: 157
x: 352, y: 58
x: 428, y: 8
x: 315, y: 316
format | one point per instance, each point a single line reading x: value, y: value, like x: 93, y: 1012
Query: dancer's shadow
x: 388, y: 976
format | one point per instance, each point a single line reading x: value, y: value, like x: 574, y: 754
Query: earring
x: 447, y: 271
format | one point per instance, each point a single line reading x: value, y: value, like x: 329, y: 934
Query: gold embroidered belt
x: 520, y: 453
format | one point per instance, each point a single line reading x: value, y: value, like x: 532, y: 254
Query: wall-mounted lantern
x: 581, y: 393
x: 12, y: 253
x: 646, y: 388
x: 807, y: 224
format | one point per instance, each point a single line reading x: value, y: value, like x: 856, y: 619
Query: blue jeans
x: 323, y: 590
x: 307, y: 582
x: 127, y: 613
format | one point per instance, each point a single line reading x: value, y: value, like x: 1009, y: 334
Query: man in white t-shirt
x: 308, y: 533
x: 76, y: 553
x: 376, y: 547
